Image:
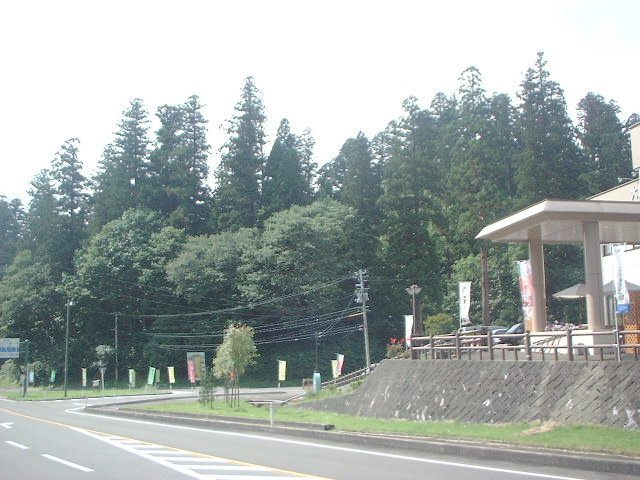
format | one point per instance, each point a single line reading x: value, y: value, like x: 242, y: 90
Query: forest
x: 155, y: 255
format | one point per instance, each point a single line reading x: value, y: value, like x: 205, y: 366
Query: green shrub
x: 9, y: 373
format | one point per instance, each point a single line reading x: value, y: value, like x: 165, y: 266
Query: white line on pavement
x: 67, y: 463
x: 16, y: 444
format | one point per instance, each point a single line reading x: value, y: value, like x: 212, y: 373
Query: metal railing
x: 571, y: 344
x: 350, y: 377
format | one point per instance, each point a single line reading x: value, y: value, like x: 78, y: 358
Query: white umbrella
x: 579, y: 290
x: 609, y: 288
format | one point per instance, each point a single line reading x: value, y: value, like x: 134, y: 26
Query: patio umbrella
x: 610, y: 289
x: 579, y: 290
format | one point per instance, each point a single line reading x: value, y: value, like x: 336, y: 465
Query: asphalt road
x: 58, y: 440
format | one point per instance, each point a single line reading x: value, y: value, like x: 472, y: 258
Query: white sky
x: 69, y: 68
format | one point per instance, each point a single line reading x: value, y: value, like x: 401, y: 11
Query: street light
x: 413, y: 290
x: 66, y: 348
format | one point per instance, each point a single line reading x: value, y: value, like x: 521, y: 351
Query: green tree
x: 31, y: 306
x: 411, y: 243
x: 604, y: 142
x: 122, y: 270
x: 233, y: 356
x: 548, y: 141
x: 42, y: 219
x: 72, y: 202
x: 11, y: 219
x: 286, y: 178
x: 238, y: 175
x: 124, y: 169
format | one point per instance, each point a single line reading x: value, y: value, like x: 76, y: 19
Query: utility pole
x: 485, y: 286
x: 362, y: 298
x: 116, y: 345
x: 66, y: 349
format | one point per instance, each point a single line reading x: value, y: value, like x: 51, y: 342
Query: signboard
x: 9, y: 347
x: 199, y: 365
x: 464, y: 292
x: 282, y: 370
x: 132, y: 378
x: 84, y: 378
x: 172, y: 375
x: 192, y: 371
x: 151, y: 376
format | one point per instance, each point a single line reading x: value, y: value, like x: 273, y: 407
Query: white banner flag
x: 464, y: 290
x: 623, y: 302
x: 408, y: 328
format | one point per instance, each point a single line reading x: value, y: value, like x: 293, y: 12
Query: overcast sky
x: 70, y: 68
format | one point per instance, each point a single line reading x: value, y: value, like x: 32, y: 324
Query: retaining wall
x: 497, y: 391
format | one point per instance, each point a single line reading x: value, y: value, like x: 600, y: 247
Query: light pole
x: 66, y: 348
x: 413, y: 290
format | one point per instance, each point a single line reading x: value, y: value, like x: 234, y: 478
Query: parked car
x: 517, y: 329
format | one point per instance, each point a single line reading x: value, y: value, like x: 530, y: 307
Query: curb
x: 491, y: 451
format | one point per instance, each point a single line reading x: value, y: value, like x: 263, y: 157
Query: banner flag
x: 84, y: 377
x: 282, y: 370
x: 408, y: 328
x: 340, y: 363
x: 199, y: 365
x: 526, y: 291
x: 171, y: 374
x: 157, y: 375
x: 192, y: 371
x: 52, y: 379
x: 464, y: 292
x: 334, y: 368
x: 132, y: 378
x: 623, y: 302
x: 151, y: 376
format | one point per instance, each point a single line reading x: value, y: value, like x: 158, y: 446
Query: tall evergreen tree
x: 604, y: 142
x: 42, y: 219
x: 11, y: 218
x: 124, y: 168
x: 72, y: 202
x: 238, y: 175
x: 286, y: 179
x: 412, y: 218
x: 191, y: 171
x: 550, y: 164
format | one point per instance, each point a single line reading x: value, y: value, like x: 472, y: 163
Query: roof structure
x: 562, y: 222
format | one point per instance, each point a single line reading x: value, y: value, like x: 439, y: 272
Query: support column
x: 536, y: 257
x: 593, y: 275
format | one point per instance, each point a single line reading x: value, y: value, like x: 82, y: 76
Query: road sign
x: 9, y: 347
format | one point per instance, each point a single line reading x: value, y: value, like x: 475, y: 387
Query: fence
x: 350, y: 377
x: 571, y: 344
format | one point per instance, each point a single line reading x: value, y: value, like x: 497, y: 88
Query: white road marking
x: 6, y: 425
x: 193, y: 464
x: 67, y: 463
x: 337, y: 448
x: 16, y: 444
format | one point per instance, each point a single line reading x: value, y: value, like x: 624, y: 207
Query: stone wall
x: 497, y: 392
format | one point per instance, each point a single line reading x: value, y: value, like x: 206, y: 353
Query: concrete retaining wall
x: 497, y: 392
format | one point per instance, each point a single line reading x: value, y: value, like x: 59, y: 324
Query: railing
x: 350, y: 377
x: 571, y: 344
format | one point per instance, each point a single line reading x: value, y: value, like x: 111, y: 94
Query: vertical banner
x: 84, y: 378
x: 151, y: 376
x: 171, y: 375
x: 408, y: 328
x: 334, y: 368
x: 199, y: 365
x: 340, y: 363
x: 282, y: 370
x: 623, y: 302
x: 157, y: 379
x: 132, y: 378
x: 526, y: 291
x: 192, y: 371
x: 52, y: 378
x: 464, y: 292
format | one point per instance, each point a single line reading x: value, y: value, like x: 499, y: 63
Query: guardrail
x: 571, y: 344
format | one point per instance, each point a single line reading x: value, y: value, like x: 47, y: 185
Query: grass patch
x: 587, y: 438
x: 57, y: 394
